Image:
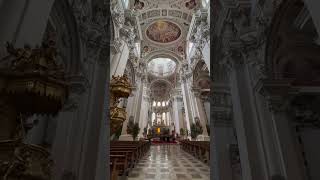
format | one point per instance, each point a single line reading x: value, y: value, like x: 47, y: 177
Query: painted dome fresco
x: 161, y: 67
x: 163, y: 32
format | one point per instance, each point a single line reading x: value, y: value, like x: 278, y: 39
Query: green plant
x: 182, y: 132
x: 196, y: 129
x: 133, y: 129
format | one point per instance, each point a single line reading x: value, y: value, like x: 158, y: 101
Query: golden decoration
x: 34, y: 81
x: 120, y: 88
x: 33, y: 84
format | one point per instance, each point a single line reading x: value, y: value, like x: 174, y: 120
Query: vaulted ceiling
x: 164, y: 24
x: 163, y: 27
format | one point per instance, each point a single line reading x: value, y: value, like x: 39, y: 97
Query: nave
x: 169, y: 162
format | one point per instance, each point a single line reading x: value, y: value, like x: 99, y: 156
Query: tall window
x: 159, y: 104
x: 153, y: 117
x: 205, y: 3
x: 163, y: 104
x: 138, y: 48
x: 125, y: 3
x: 190, y: 46
x: 164, y: 117
x: 154, y: 103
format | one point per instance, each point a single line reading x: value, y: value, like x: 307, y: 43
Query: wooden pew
x: 199, y: 149
x: 124, y: 155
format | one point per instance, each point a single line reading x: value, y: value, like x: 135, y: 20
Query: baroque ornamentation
x: 120, y: 87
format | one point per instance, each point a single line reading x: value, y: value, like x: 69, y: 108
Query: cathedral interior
x: 159, y: 89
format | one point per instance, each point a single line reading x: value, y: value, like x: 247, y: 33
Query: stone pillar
x: 313, y: 6
x: 69, y: 129
x: 271, y: 144
x: 223, y: 132
x: 175, y: 112
x: 120, y: 60
x: 96, y: 112
x: 244, y: 115
x: 144, y: 109
x: 186, y: 104
x: 138, y: 99
x: 278, y: 94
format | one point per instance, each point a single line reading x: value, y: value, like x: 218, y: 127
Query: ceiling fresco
x: 163, y: 31
x: 160, y: 90
x: 161, y: 67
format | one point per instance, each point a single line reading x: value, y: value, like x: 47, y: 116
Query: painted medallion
x: 163, y: 32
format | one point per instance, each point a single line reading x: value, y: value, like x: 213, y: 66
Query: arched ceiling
x: 160, y: 90
x: 162, y: 67
x: 163, y: 28
x: 164, y: 24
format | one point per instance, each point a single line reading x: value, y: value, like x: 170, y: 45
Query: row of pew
x: 199, y: 149
x: 124, y: 155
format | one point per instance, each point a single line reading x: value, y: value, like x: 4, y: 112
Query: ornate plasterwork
x: 160, y: 89
x: 186, y: 5
x: 179, y: 12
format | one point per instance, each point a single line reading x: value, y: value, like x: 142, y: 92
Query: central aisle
x: 169, y: 162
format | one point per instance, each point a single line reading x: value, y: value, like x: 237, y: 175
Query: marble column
x: 268, y: 130
x: 244, y: 115
x: 291, y: 162
x: 120, y: 60
x: 142, y: 102
x: 176, y: 113
x: 137, y: 109
x: 144, y: 109
x: 95, y: 118
x: 223, y: 133
x: 186, y: 102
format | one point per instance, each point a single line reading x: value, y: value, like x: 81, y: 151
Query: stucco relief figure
x: 180, y: 50
x: 191, y: 4
x: 163, y: 32
x: 138, y: 5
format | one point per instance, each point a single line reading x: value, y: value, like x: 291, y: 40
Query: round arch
x: 289, y: 51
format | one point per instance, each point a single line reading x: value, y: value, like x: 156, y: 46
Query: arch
x: 199, y: 74
x: 163, y: 54
x: 290, y: 53
x: 61, y: 14
x: 162, y: 80
x: 161, y: 89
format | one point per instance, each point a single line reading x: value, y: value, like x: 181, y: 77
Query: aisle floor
x: 169, y: 162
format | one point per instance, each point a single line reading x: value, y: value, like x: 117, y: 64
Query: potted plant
x: 196, y: 129
x: 182, y: 132
x: 193, y: 130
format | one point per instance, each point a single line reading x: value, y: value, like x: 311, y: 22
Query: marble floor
x: 169, y: 162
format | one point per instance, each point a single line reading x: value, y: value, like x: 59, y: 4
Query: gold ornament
x: 120, y: 88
